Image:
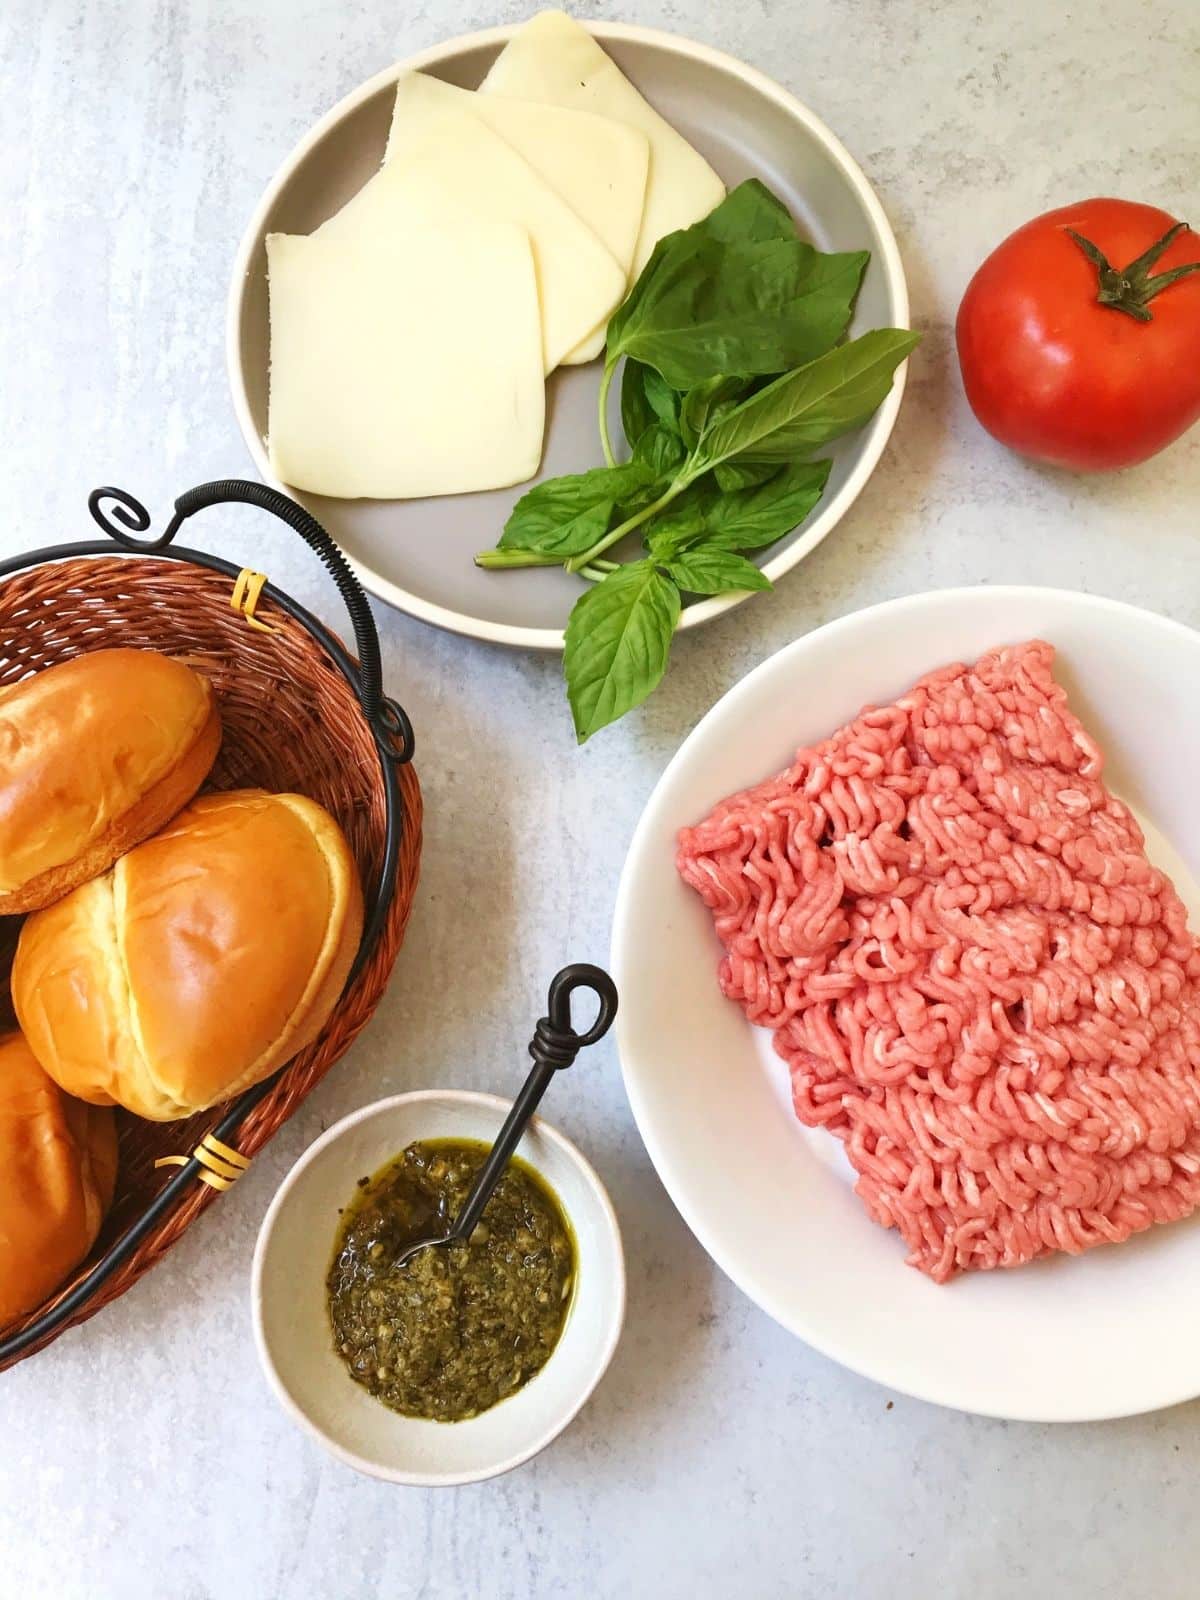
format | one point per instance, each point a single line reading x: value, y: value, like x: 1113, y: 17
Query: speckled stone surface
x: 143, y: 1455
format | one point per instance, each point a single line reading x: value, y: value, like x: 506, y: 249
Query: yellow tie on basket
x: 246, y: 590
x: 222, y: 1165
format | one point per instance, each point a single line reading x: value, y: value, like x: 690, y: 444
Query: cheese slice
x: 596, y: 165
x: 405, y: 362
x: 458, y: 168
x: 555, y: 60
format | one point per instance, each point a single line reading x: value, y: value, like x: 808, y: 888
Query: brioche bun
x: 58, y: 1167
x: 96, y: 754
x: 204, y: 959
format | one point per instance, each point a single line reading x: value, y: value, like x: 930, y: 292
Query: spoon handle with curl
x: 554, y: 1045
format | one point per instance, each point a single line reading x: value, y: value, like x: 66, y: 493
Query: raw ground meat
x: 977, y: 979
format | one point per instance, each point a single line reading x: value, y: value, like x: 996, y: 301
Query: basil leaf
x: 706, y: 402
x: 702, y: 309
x: 617, y: 641
x: 636, y: 413
x: 808, y: 407
x: 757, y: 517
x: 720, y: 226
x: 748, y: 213
x: 565, y: 516
x: 734, y: 475
x: 646, y: 399
x: 706, y: 570
x: 662, y: 399
x: 749, y: 520
x: 558, y: 525
x: 680, y: 525
x: 659, y: 451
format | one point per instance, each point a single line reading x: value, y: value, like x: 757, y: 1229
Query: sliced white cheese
x: 405, y: 362
x: 589, y: 349
x: 596, y: 165
x: 555, y: 60
x: 458, y: 168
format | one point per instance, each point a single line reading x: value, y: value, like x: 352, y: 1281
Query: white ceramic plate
x: 418, y: 554
x: 291, y: 1324
x: 1107, y: 1334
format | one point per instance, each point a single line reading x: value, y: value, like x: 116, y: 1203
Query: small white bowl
x: 291, y: 1322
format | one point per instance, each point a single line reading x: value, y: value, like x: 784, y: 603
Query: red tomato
x: 1060, y: 374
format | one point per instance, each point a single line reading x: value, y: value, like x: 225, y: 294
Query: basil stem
x: 676, y: 487
x: 610, y: 367
x: 500, y: 560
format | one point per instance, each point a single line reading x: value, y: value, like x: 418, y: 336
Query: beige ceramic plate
x: 418, y: 554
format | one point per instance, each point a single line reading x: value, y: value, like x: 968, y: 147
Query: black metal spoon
x: 554, y: 1045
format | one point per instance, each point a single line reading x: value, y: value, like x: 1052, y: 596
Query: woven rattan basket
x: 300, y: 713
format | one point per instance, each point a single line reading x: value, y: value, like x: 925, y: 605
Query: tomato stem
x: 1130, y: 289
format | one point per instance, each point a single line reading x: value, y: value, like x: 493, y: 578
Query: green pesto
x: 462, y: 1326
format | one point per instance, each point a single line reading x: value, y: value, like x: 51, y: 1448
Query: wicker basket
x: 299, y: 713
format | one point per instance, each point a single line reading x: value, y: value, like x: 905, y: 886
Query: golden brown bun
x: 58, y: 1168
x: 96, y: 754
x: 202, y: 961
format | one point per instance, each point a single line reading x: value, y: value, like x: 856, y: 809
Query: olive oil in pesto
x: 461, y: 1326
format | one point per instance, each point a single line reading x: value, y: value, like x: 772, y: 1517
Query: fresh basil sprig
x: 733, y: 376
x: 802, y: 409
x: 736, y: 293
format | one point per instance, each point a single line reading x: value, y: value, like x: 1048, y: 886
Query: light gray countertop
x: 143, y: 1454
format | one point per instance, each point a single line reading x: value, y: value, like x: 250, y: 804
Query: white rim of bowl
x: 766, y: 1299
x: 435, y: 1480
x: 878, y: 430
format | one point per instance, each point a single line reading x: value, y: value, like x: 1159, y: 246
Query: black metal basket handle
x: 387, y: 718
